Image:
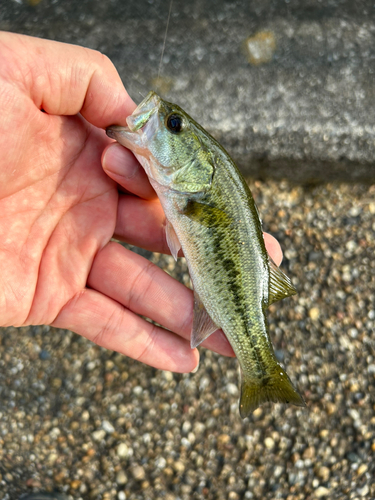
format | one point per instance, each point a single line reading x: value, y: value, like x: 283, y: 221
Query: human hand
x: 59, y: 210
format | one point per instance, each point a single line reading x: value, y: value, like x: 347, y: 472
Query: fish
x: 211, y: 214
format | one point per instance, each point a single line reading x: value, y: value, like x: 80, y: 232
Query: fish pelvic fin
x: 172, y: 239
x: 275, y: 387
x: 203, y: 325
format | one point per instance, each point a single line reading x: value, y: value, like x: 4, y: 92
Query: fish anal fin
x: 172, y: 240
x: 276, y: 388
x: 280, y: 285
x: 203, y: 325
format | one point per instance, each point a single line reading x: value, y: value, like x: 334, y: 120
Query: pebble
x: 91, y: 366
x: 362, y: 469
x: 191, y: 438
x: 55, y: 433
x: 138, y: 472
x: 44, y: 355
x: 179, y: 466
x: 199, y: 427
x: 223, y: 439
x: 83, y: 488
x: 185, y: 442
x: 321, y: 492
x: 309, y: 452
x: 160, y: 463
x: 146, y: 438
x: 98, y: 435
x: 261, y: 47
x: 314, y: 313
x: 300, y: 464
x: 364, y: 491
x: 121, y: 477
x: 258, y: 413
x: 123, y: 450
x: 108, y: 427
x: 52, y: 458
x: 269, y: 443
x: 278, y: 470
x: 168, y: 376
x: 85, y: 416
x: 324, y: 473
x: 232, y: 389
x: 186, y: 426
x: 137, y: 390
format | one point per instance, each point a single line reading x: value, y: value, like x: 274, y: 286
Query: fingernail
x: 196, y: 368
x: 120, y: 161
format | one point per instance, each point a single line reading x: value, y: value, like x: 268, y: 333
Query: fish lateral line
x: 206, y: 215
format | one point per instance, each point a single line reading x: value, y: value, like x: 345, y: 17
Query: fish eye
x: 174, y: 123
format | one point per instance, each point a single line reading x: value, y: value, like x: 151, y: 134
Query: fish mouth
x: 141, y: 125
x: 143, y: 111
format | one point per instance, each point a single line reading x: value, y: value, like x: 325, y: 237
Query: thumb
x: 121, y: 165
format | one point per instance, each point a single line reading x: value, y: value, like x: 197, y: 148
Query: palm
x: 67, y: 216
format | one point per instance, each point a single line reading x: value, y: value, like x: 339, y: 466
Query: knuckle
x: 147, y: 349
x: 108, y: 330
x: 141, y: 285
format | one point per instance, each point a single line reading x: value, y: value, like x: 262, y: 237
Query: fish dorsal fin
x: 280, y: 285
x: 172, y: 240
x: 203, y: 325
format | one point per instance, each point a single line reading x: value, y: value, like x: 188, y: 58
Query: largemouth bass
x: 212, y: 216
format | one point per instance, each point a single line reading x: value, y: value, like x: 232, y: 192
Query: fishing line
x: 165, y: 37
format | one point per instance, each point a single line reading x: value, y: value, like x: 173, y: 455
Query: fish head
x: 167, y: 143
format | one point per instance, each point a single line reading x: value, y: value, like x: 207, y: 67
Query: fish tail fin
x: 275, y: 386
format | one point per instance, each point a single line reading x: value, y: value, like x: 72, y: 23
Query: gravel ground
x: 97, y: 425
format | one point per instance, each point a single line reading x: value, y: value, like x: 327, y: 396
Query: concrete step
x: 305, y: 110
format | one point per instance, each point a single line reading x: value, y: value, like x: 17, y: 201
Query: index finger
x: 64, y: 79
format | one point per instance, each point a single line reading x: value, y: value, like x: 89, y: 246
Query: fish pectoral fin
x: 275, y: 387
x: 203, y: 325
x: 172, y: 239
x: 280, y: 285
x: 206, y: 215
x: 196, y: 176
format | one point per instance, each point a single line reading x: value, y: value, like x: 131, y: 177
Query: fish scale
x: 212, y: 216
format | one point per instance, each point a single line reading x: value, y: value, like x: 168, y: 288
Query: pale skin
x: 65, y: 190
